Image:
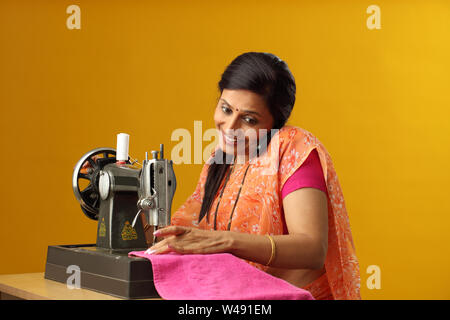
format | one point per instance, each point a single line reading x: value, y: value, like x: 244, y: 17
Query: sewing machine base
x: 105, y: 271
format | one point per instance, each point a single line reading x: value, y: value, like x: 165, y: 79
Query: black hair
x: 264, y: 74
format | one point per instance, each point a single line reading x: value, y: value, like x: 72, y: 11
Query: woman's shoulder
x: 295, y: 145
x: 296, y: 137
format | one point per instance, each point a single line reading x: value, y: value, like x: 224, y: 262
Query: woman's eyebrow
x: 246, y: 111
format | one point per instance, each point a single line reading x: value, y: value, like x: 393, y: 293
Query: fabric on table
x: 219, y: 276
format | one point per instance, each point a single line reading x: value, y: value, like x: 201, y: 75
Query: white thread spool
x: 123, y: 141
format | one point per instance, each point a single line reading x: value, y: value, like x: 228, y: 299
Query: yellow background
x: 377, y: 99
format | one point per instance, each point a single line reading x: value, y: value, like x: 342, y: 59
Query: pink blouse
x: 309, y: 175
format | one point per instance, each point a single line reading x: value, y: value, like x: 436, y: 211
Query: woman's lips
x: 231, y: 140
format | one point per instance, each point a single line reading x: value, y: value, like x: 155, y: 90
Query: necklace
x: 237, y: 197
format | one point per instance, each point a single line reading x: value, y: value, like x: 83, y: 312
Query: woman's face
x: 239, y: 117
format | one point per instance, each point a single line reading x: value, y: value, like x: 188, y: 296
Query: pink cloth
x: 309, y: 175
x: 219, y: 276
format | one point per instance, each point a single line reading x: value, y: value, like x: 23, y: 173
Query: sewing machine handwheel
x: 85, y: 179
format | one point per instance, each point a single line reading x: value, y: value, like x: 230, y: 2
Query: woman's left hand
x: 190, y: 240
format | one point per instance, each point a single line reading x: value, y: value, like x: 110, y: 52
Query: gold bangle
x: 272, y: 256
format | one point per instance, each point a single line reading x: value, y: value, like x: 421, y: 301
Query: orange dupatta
x: 259, y: 209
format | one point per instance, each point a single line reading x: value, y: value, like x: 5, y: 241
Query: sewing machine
x: 129, y: 203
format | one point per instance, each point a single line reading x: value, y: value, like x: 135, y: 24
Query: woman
x: 270, y: 197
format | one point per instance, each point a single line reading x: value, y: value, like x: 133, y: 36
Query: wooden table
x: 33, y: 286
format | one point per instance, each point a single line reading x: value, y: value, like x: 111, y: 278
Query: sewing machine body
x: 129, y: 204
x: 118, y: 209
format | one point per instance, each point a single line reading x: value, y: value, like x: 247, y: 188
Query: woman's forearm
x: 293, y: 251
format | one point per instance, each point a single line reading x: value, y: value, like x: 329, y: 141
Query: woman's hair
x: 266, y: 75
